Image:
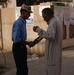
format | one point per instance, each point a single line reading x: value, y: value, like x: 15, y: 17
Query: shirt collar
x: 50, y: 20
x: 22, y: 19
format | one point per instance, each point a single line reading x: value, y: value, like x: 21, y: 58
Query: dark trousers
x: 20, y: 57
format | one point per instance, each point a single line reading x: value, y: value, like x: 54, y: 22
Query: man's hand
x: 34, y: 28
x: 31, y: 44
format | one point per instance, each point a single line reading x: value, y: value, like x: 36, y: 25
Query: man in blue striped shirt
x: 19, y: 36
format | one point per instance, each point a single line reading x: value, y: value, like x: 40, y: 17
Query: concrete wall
x: 7, y: 18
x: 11, y: 4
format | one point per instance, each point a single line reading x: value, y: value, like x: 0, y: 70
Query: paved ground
x: 36, y: 67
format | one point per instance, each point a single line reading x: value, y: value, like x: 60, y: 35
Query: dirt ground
x: 7, y: 62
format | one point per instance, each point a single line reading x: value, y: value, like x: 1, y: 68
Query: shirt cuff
x: 38, y: 30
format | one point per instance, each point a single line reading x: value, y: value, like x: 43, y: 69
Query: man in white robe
x: 53, y: 45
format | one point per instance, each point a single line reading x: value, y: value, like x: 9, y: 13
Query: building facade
x: 66, y: 0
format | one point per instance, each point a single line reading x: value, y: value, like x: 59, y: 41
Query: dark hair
x: 48, y: 11
x: 21, y: 10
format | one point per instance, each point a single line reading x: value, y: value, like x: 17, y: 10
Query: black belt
x: 18, y: 43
